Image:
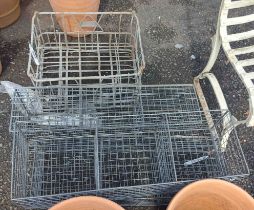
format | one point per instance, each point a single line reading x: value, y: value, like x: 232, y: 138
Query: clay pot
x: 9, y: 12
x: 212, y: 194
x: 74, y: 23
x: 87, y: 203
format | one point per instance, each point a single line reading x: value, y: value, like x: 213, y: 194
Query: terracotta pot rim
x: 11, y: 10
x: 95, y: 199
x: 70, y: 6
x: 204, y: 182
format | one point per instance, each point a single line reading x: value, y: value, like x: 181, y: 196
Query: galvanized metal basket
x: 126, y: 143
x: 106, y: 50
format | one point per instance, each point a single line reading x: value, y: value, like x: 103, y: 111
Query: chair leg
x: 227, y: 122
x: 216, y: 45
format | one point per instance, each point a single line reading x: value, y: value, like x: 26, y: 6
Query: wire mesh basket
x: 108, y: 50
x: 71, y: 103
x: 125, y: 143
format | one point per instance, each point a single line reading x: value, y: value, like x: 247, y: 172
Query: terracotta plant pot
x: 9, y: 12
x: 87, y: 203
x: 73, y: 23
x: 212, y: 194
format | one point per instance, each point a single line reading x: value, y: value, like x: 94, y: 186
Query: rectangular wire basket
x: 125, y: 143
x: 75, y: 103
x: 102, y: 47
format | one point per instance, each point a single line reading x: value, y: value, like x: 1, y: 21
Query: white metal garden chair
x: 228, y: 40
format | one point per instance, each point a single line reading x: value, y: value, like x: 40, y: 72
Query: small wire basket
x: 106, y: 50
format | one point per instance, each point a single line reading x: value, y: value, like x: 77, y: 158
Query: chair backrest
x: 236, y: 25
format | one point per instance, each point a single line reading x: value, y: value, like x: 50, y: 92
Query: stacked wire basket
x: 89, y: 127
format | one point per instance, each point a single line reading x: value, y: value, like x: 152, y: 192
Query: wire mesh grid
x: 103, y: 47
x: 126, y: 143
x: 72, y: 104
x: 132, y: 156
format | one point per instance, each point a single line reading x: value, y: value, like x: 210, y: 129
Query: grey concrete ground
x: 164, y: 23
